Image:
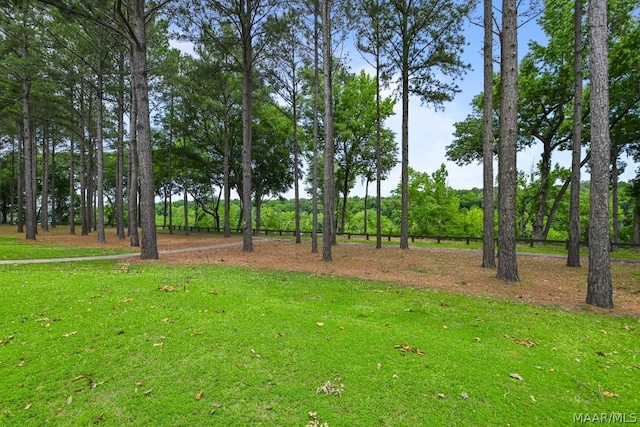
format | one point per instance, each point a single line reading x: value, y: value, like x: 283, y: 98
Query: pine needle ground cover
x: 113, y: 343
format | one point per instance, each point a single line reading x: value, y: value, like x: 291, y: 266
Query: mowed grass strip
x: 106, y: 342
x: 12, y: 248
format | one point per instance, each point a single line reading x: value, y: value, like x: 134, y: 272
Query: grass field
x: 12, y: 248
x: 106, y: 342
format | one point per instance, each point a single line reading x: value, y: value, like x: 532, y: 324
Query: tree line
x: 97, y: 107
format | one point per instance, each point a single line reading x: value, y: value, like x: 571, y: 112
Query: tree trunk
x: 545, y: 170
x: 488, y: 240
x: 296, y: 174
x: 404, y: 217
x: 100, y: 158
x: 573, y: 255
x: 329, y: 174
x: 507, y: 167
x: 149, y: 248
x: 29, y: 160
x: 599, y: 288
x: 119, y: 202
x: 44, y: 199
x: 378, y: 148
x: 20, y: 189
x: 615, y: 211
x: 72, y: 180
x: 247, y: 92
x: 366, y: 197
x: 636, y: 221
x: 316, y: 108
x: 227, y: 185
x: 132, y: 199
x: 185, y: 184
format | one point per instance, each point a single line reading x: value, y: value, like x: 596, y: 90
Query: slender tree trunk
x: 636, y: 221
x: 316, y: 108
x: 378, y: 146
x: 54, y: 193
x: 599, y: 288
x: 366, y: 198
x: 296, y: 171
x: 615, y: 204
x: 404, y: 185
x: 545, y: 170
x: 100, y: 157
x: 20, y: 190
x: 488, y: 240
x: 247, y: 101
x: 44, y: 199
x: 132, y: 199
x: 573, y: 255
x: 119, y: 202
x: 329, y: 175
x: 29, y: 160
x: 227, y: 185
x: 72, y: 184
x: 507, y: 167
x: 29, y: 146
x: 12, y: 182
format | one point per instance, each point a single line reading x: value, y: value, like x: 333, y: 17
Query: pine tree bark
x: 573, y: 255
x: 507, y: 167
x: 599, y: 288
x: 247, y: 92
x: 149, y: 248
x: 488, y: 240
x: 329, y: 176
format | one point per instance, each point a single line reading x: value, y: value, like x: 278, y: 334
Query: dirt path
x: 545, y: 280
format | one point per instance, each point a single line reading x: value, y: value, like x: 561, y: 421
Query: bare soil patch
x: 545, y: 280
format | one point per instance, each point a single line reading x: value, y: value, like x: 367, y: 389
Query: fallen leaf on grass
x: 407, y: 348
x: 148, y: 392
x: 199, y: 395
x: 533, y: 399
x: 379, y: 365
x: 20, y: 364
x: 319, y: 324
x: 516, y: 376
x: 69, y: 400
x: 69, y: 334
x: 629, y: 328
x: 27, y: 407
x: 603, y: 331
x: 158, y: 344
x: 167, y: 288
x: 610, y: 394
x: 100, y: 419
x: 441, y: 396
x: 527, y: 343
x: 464, y: 395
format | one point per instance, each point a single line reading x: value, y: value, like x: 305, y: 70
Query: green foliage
x: 160, y: 345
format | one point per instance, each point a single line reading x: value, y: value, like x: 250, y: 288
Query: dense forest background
x: 69, y: 95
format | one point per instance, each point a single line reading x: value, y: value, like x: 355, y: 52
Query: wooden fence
x: 394, y: 237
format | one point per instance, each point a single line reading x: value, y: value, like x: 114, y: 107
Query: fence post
x: 438, y: 239
x: 467, y: 240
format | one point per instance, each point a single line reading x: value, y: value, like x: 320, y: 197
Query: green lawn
x: 86, y: 343
x: 12, y: 248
